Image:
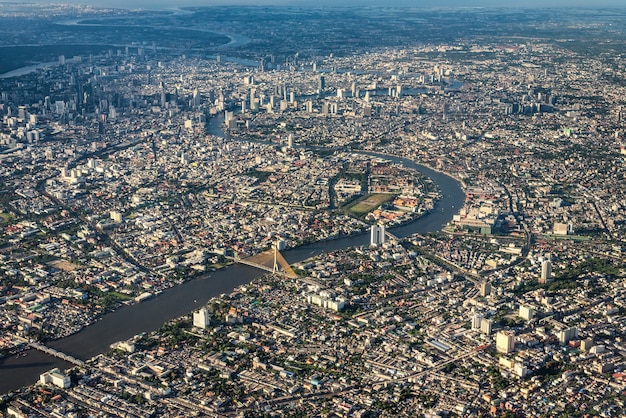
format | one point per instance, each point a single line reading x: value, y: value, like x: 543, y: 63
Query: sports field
x: 369, y: 203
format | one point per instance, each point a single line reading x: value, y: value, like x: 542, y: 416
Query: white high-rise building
x: 485, y: 326
x: 546, y: 271
x: 201, y: 318
x: 526, y: 312
x: 505, y: 342
x: 377, y: 236
x: 476, y: 321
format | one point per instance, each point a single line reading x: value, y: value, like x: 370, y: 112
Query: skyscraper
x: 377, y: 235
x: 485, y: 289
x: 546, y: 271
x: 321, y: 85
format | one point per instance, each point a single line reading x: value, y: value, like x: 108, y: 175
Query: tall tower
x: 321, y: 85
x: 377, y: 235
x: 201, y: 318
x: 546, y: 271
x: 196, y: 98
x: 485, y: 289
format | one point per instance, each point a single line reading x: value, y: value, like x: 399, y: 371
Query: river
x: 18, y: 371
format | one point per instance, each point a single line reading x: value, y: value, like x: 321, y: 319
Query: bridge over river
x: 56, y: 353
x: 271, y: 261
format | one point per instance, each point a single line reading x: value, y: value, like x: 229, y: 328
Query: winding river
x: 18, y: 371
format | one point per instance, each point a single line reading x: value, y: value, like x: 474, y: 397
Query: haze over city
x: 348, y: 3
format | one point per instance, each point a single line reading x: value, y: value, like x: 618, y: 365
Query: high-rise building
x: 196, y: 98
x: 476, y: 321
x: 546, y: 271
x: 526, y: 312
x: 505, y: 342
x: 321, y: 84
x: 485, y: 289
x: 485, y: 326
x: 567, y: 334
x: 201, y: 318
x: 586, y: 344
x: 377, y: 235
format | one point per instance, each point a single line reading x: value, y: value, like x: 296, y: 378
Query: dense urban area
x: 141, y: 151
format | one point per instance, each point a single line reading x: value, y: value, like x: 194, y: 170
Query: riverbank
x: 190, y: 295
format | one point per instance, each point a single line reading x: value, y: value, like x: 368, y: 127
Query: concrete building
x: 56, y: 378
x: 201, y: 318
x: 485, y: 326
x: 377, y: 235
x: 505, y: 342
x: 485, y: 289
x: 546, y: 271
x: 567, y: 334
x: 476, y: 321
x: 526, y: 312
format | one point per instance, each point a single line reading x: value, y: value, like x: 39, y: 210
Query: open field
x: 5, y: 218
x: 63, y: 265
x: 369, y: 203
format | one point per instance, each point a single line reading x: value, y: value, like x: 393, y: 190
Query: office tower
x: 201, y: 318
x: 196, y: 98
x: 321, y: 84
x: 163, y: 95
x: 290, y: 141
x: 377, y: 235
x: 485, y: 289
x: 546, y: 271
x: 505, y: 342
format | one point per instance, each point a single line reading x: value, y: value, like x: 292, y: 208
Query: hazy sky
x: 144, y: 4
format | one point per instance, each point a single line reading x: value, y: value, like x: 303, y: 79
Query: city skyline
x: 164, y: 4
x: 352, y: 212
